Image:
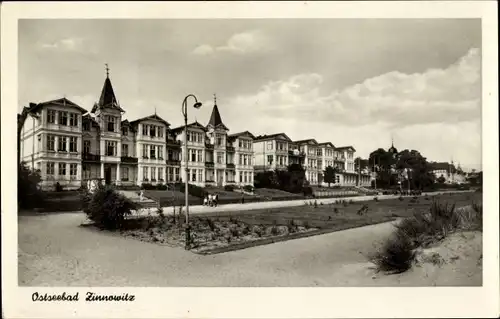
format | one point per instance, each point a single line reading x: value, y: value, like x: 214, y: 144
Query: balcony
x: 296, y: 154
x: 173, y: 144
x: 230, y: 165
x: 209, y: 146
x: 91, y: 158
x: 129, y: 159
x: 209, y: 164
x: 230, y: 148
x: 174, y: 162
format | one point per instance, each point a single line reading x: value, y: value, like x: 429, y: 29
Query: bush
x: 58, y: 187
x: 147, y: 186
x: 161, y: 187
x: 194, y: 190
x: 108, y: 208
x: 229, y: 188
x: 396, y: 255
x: 248, y: 188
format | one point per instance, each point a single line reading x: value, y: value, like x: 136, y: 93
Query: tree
x: 28, y: 193
x: 420, y: 176
x: 383, y: 163
x: 441, y: 179
x: 330, y: 175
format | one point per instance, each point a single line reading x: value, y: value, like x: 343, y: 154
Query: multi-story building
x: 272, y: 152
x: 70, y: 145
x: 311, y: 151
x: 212, y: 153
x: 448, y: 171
x: 51, y: 141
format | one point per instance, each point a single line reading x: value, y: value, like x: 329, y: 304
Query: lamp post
x: 196, y: 105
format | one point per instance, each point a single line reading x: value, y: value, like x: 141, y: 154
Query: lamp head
x: 197, y: 105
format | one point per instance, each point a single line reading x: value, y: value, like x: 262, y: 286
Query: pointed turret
x: 108, y: 98
x: 215, y: 118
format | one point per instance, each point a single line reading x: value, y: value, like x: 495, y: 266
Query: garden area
x: 224, y: 231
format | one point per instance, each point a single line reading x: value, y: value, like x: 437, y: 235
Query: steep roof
x: 60, y: 102
x: 344, y: 148
x: 326, y: 144
x: 153, y: 117
x: 193, y: 125
x: 216, y: 120
x: 307, y: 141
x: 247, y: 133
x: 272, y: 136
x: 108, y: 98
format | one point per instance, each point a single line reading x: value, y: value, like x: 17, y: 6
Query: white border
x: 257, y: 302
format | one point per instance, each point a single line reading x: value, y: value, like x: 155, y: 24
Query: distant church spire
x: 215, y: 99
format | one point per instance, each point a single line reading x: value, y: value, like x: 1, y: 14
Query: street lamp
x: 196, y: 105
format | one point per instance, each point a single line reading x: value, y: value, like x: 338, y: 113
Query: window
x: 220, y: 157
x: 72, y: 170
x: 249, y: 160
x: 192, y: 155
x: 50, y: 168
x: 111, y: 123
x: 51, y: 116
x: 240, y: 143
x: 86, y: 171
x: 319, y: 152
x: 160, y: 131
x: 144, y: 151
x: 200, y: 156
x: 193, y: 175
x: 160, y: 152
x: 145, y: 173
x: 124, y: 172
x: 170, y: 176
x: 144, y: 129
x: 200, y: 175
x: 160, y: 173
x: 170, y: 155
x: 86, y: 126
x: 240, y: 160
x: 245, y: 159
x: 152, y: 130
x: 125, y: 130
x: 62, y: 169
x: 152, y: 151
x: 269, y: 159
x: 153, y: 173
x: 110, y: 148
x: 73, y: 119
x: 86, y: 147
x: 63, y: 118
x: 270, y: 145
x: 51, y: 141
x: 241, y: 177
x: 72, y: 144
x: 124, y: 149
x: 177, y: 175
x: 62, y: 144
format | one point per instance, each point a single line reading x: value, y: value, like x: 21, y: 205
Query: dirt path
x: 55, y: 251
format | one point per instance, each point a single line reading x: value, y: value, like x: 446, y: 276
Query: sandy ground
x: 55, y: 251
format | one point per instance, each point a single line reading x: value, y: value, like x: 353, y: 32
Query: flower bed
x: 211, y: 235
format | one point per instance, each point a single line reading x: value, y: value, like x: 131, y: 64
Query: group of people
x: 211, y: 200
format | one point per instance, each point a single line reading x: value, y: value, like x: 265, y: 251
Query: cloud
x: 240, y: 43
x: 68, y: 44
x: 434, y: 96
x: 436, y: 111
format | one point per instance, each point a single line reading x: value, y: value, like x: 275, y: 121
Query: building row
x: 70, y: 145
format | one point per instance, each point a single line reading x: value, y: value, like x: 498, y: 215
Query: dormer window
x: 63, y: 118
x: 86, y: 126
x: 51, y: 116
x: 144, y: 129
x: 152, y: 130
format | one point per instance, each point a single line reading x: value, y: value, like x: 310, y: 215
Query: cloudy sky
x: 351, y: 82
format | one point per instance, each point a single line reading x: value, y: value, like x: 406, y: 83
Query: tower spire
x: 107, y: 70
x: 215, y: 99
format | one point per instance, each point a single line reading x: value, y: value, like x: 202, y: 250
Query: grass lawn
x: 276, y: 194
x: 168, y: 197
x: 343, y: 216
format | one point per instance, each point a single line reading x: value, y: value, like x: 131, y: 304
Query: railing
x: 129, y: 159
x: 173, y: 162
x: 209, y: 146
x: 88, y: 157
x: 300, y: 154
x: 209, y: 164
x: 230, y: 148
x: 171, y: 143
x: 230, y: 165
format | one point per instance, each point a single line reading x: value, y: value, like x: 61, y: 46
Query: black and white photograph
x: 249, y: 152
